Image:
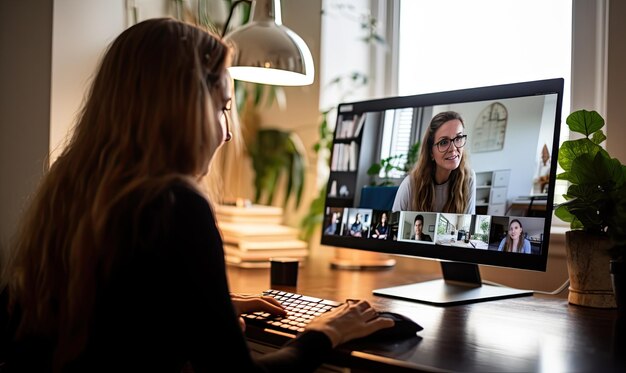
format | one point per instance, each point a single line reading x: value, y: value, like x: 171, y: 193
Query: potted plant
x: 274, y: 153
x: 595, y: 207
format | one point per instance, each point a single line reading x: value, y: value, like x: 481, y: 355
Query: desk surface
x: 529, y: 334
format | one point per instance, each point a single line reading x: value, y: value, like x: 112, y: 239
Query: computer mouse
x: 403, y: 327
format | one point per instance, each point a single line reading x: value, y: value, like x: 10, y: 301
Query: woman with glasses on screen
x: 442, y: 180
x: 119, y: 264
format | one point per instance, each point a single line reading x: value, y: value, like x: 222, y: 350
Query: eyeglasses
x: 226, y: 118
x: 444, y: 144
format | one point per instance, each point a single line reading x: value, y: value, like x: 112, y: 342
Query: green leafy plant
x: 397, y: 162
x: 596, y: 196
x: 277, y: 153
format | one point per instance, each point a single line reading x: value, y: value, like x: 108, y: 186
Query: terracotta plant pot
x: 588, y: 267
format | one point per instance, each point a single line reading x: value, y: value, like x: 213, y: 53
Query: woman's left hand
x: 255, y: 303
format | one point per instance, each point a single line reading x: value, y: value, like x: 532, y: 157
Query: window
x: 454, y: 44
x: 399, y: 134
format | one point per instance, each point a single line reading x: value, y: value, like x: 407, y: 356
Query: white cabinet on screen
x: 491, y: 192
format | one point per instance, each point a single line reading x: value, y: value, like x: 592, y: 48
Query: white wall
x: 616, y: 81
x: 50, y: 50
x: 25, y: 47
x: 81, y: 32
x: 598, y: 75
x: 343, y: 51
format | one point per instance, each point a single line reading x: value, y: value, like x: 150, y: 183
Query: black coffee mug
x: 284, y: 271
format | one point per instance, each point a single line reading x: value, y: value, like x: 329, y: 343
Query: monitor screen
x: 465, y: 177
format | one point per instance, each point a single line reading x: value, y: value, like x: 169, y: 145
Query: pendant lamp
x: 266, y: 51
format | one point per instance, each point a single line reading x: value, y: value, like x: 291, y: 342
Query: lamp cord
x: 555, y: 292
x: 230, y: 14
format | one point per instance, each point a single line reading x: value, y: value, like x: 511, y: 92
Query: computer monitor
x: 510, y: 154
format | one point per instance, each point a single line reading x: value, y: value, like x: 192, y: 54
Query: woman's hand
x: 353, y: 320
x: 255, y: 303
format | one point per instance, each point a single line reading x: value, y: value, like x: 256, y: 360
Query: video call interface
x: 509, y: 147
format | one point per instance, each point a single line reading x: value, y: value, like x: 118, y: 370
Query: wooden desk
x: 529, y: 334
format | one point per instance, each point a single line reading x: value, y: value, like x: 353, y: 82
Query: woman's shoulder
x: 406, y: 185
x: 188, y: 198
x: 407, y: 181
x: 527, y: 249
x: 179, y: 191
x: 176, y: 199
x: 186, y: 191
x: 472, y: 174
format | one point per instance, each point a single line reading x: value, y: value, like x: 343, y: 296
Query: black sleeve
x: 213, y: 331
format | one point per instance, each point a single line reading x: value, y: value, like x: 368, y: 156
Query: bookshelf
x: 352, y: 154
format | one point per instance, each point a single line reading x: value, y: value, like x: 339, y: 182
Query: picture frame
x: 490, y: 128
x: 431, y: 228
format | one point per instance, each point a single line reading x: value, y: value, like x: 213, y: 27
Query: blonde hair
x: 423, y: 174
x: 148, y: 122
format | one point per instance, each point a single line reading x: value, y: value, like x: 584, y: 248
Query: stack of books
x: 254, y: 234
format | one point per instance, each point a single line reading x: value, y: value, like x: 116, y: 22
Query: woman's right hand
x: 350, y: 321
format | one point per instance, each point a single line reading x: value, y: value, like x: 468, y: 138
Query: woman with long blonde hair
x: 119, y: 264
x: 442, y: 180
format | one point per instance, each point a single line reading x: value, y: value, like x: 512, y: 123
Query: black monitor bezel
x: 536, y: 262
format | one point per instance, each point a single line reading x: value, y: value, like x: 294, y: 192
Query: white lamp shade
x: 268, y: 52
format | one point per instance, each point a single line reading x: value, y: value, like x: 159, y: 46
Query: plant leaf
x: 562, y: 213
x: 617, y: 172
x: 598, y: 137
x: 563, y: 176
x: 608, y: 171
x: 278, y: 155
x: 572, y: 149
x: 587, y: 203
x: 585, y: 122
x: 588, y: 169
x: 295, y: 169
x: 298, y: 172
x: 259, y: 89
x: 271, y: 182
x: 374, y: 169
x: 315, y: 215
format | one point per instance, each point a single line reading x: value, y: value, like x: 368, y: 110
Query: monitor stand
x: 461, y: 284
x: 361, y: 260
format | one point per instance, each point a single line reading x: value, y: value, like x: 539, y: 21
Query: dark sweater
x: 168, y: 303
